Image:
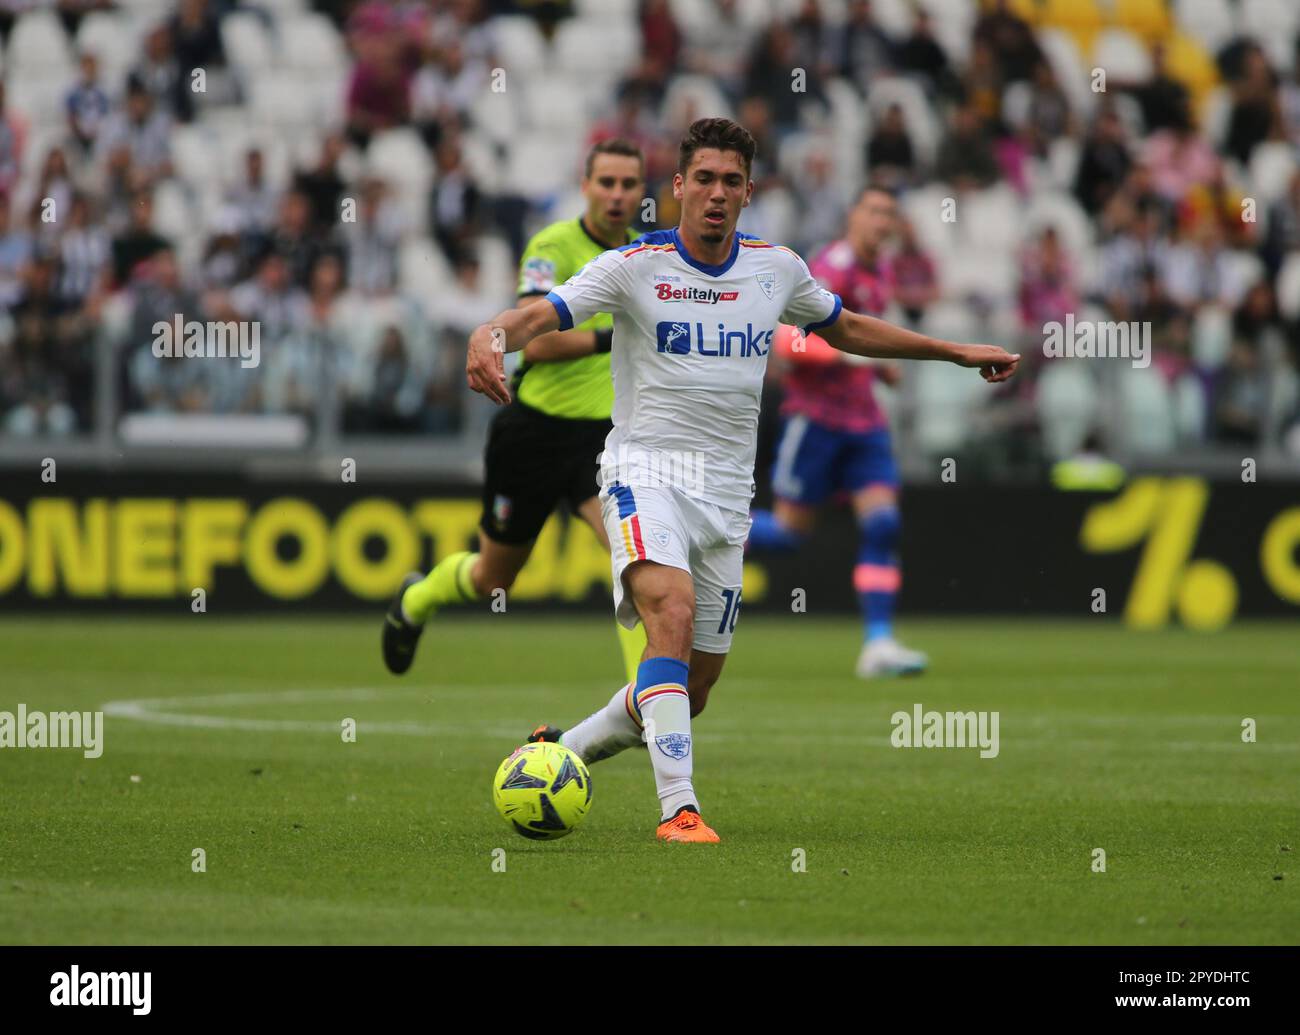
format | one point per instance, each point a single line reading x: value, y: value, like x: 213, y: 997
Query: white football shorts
x: 664, y: 525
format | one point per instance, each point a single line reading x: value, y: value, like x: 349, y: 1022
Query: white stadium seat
x: 247, y: 43
x: 1288, y: 287
x: 1067, y: 404
x: 1122, y: 55
x: 1212, y: 22
x: 311, y: 44
x: 519, y: 45
x: 39, y: 46
x: 1272, y: 164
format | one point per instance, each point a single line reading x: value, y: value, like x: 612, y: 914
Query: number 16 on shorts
x: 730, y: 610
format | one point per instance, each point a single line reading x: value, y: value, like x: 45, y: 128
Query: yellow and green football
x: 543, y: 790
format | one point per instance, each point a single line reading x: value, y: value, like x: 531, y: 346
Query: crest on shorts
x: 501, y: 510
x: 767, y: 281
x: 675, y: 745
x: 660, y: 535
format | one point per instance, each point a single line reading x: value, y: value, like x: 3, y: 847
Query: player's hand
x: 485, y: 364
x: 995, y: 364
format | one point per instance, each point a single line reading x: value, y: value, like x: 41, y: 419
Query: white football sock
x: 606, y: 733
x: 667, y: 718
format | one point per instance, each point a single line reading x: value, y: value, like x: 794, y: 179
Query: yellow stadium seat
x: 1082, y: 19
x: 1146, y: 18
x: 1189, y: 62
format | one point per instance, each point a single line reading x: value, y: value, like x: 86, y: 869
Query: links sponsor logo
x: 190, y: 339
x: 706, y: 296
x: 922, y: 729
x: 680, y: 337
x: 36, y: 729
x: 124, y: 988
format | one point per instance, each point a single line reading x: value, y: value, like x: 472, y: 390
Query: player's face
x: 613, y: 192
x: 872, y: 220
x: 713, y: 191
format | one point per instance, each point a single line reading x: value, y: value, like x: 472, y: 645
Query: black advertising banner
x: 1162, y: 548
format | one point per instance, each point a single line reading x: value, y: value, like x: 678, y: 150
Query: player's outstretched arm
x: 559, y: 345
x: 509, y: 332
x: 861, y: 335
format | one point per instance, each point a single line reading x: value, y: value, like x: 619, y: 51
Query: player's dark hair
x: 722, y: 134
x: 878, y: 188
x: 614, y: 146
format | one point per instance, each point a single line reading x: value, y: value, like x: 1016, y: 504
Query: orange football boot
x: 686, y: 825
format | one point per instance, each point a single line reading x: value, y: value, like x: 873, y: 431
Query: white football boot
x: 887, y: 657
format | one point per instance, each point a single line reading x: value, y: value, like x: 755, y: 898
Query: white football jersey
x: 690, y: 347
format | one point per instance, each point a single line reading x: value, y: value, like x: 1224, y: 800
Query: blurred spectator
x: 15, y: 251
x: 1049, y: 110
x: 863, y: 50
x: 13, y: 132
x: 1103, y: 163
x: 135, y: 142
x: 719, y: 47
x: 1163, y: 98
x: 1047, y: 288
x: 196, y: 32
x: 445, y: 89
x: 1256, y: 116
x: 966, y: 159
x: 176, y: 384
x: 323, y: 183
x: 372, y: 241
x: 922, y: 56
x: 1010, y: 38
x: 1241, y: 395
x: 378, y: 93
x: 916, y: 285
x: 397, y: 393
x: 254, y: 201
x: 1283, y: 233
x: 1136, y: 248
x: 45, y: 389
x: 138, y: 242
x: 1197, y: 270
x: 87, y: 104
x: 162, y: 76
x: 84, y: 252
x: 456, y: 204
x: 891, y: 159
x: 270, y: 297
x: 983, y: 83
x: 1179, y: 159
x: 773, y: 73
x: 294, y: 236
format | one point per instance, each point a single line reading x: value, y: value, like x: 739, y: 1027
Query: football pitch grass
x: 225, y: 735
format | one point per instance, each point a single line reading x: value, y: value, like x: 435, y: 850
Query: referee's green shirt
x: 576, y: 389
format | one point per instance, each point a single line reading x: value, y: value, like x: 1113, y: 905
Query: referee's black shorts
x: 533, y: 462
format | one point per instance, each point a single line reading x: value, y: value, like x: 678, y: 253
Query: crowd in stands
x: 360, y: 176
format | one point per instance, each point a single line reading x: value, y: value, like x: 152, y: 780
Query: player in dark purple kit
x: 835, y: 438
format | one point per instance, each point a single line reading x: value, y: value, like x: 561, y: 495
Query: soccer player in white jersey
x: 695, y: 309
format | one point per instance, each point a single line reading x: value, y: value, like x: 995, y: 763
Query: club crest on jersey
x: 681, y: 337
x: 767, y: 281
x: 675, y: 745
x: 501, y: 510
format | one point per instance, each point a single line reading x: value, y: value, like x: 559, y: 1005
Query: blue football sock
x: 876, y: 576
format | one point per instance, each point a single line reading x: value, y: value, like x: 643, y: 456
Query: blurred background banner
x: 1176, y: 550
x: 358, y: 180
